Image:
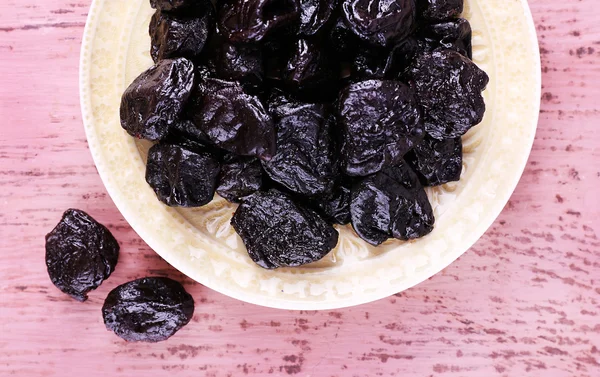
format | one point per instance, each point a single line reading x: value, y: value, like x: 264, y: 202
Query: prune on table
x: 278, y: 232
x: 380, y: 122
x: 391, y: 203
x: 336, y: 207
x: 452, y: 34
x: 80, y: 254
x: 448, y: 87
x: 305, y: 162
x: 440, y: 10
x: 151, y: 309
x: 380, y: 22
x: 175, y: 5
x: 437, y: 161
x: 309, y: 72
x: 240, y: 177
x: 314, y: 15
x: 174, y: 36
x: 155, y: 100
x: 232, y: 119
x: 252, y: 20
x: 182, y: 175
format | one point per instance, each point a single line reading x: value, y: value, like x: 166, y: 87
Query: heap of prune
x: 80, y: 254
x: 148, y: 310
x: 309, y: 113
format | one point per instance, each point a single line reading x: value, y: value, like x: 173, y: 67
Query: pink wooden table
x: 524, y: 301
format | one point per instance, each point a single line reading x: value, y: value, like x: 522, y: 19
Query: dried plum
x: 314, y: 15
x: 448, y: 87
x: 240, y: 177
x: 151, y: 309
x: 252, y: 20
x: 380, y: 22
x: 305, y: 162
x: 278, y: 232
x: 174, y: 37
x: 336, y: 207
x: 342, y: 40
x: 80, y: 254
x: 437, y: 161
x: 453, y: 34
x: 175, y: 5
x: 440, y: 10
x: 155, y: 100
x: 182, y: 175
x: 242, y: 62
x: 391, y: 203
x: 233, y: 119
x: 188, y: 130
x: 380, y: 122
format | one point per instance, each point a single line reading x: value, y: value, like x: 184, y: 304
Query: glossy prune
x: 175, y: 5
x: 242, y: 62
x: 253, y: 20
x: 336, y: 207
x: 380, y: 22
x: 155, y: 100
x: 182, y: 175
x: 440, y: 10
x: 174, y: 37
x: 453, y: 34
x: 314, y: 15
x: 448, y: 87
x: 240, y: 177
x: 391, y: 203
x: 233, y: 120
x: 151, y: 309
x: 188, y: 130
x: 380, y: 122
x: 278, y: 232
x: 437, y: 161
x: 305, y: 162
x: 80, y: 254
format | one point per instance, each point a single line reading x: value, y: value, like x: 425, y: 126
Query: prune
x: 151, y: 309
x: 314, y: 15
x: 174, y: 37
x: 278, y: 232
x: 336, y: 208
x: 242, y: 62
x: 252, y: 20
x: 305, y: 162
x: 452, y: 34
x: 175, y: 5
x: 342, y: 40
x: 440, y: 10
x: 188, y: 130
x: 240, y: 177
x: 155, y: 100
x: 380, y: 122
x: 391, y: 203
x: 448, y: 87
x: 183, y: 175
x: 80, y: 254
x: 437, y: 161
x: 380, y: 22
x: 233, y: 119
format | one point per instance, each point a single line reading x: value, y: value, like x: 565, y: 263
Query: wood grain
x: 524, y: 301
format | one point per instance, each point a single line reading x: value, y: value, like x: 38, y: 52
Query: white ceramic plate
x: 202, y: 244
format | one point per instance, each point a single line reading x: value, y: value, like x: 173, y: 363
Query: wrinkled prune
x: 437, y: 161
x: 175, y: 5
x: 242, y: 62
x: 336, y: 208
x: 280, y: 233
x: 380, y: 122
x: 314, y: 15
x: 252, y: 20
x: 183, y: 175
x: 305, y: 162
x: 391, y: 203
x: 380, y: 22
x: 342, y: 40
x: 151, y: 309
x: 240, y: 177
x: 80, y: 254
x: 188, y: 130
x: 448, y: 87
x: 440, y: 10
x: 453, y: 35
x: 174, y: 37
x: 233, y: 119
x: 155, y: 100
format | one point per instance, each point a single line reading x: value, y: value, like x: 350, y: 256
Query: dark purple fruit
x: 314, y: 15
x: 440, y: 10
x: 437, y: 162
x: 240, y: 177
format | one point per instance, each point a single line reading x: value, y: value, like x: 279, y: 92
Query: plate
x: 202, y: 244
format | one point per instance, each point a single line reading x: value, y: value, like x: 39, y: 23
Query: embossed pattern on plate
x: 202, y: 244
